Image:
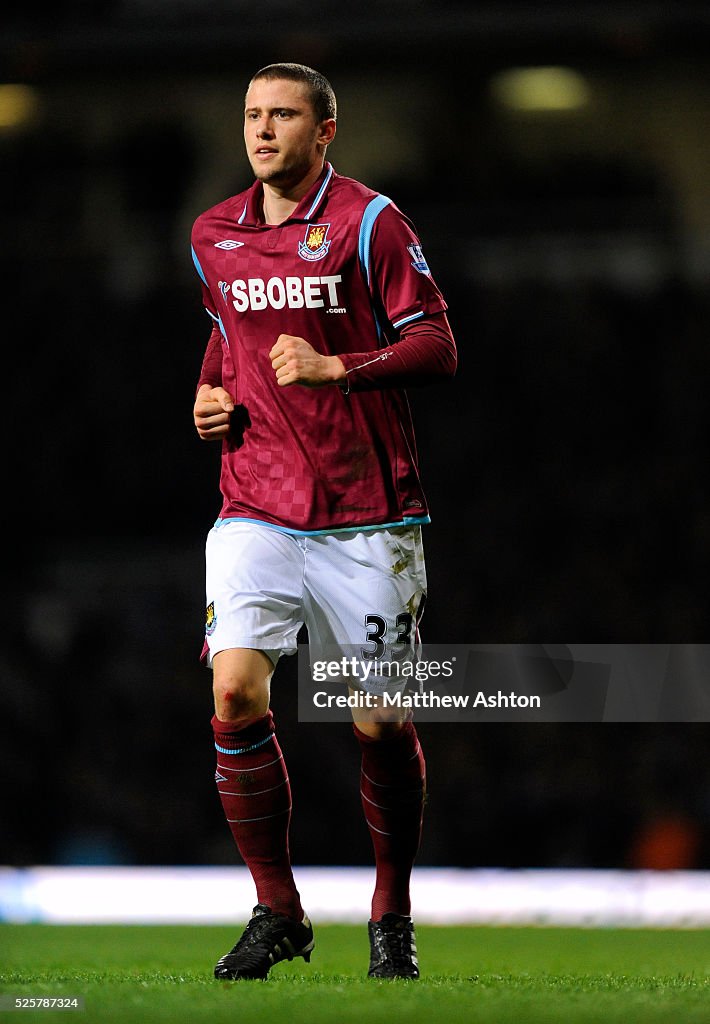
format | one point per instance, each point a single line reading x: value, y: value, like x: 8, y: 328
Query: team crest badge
x: 210, y: 619
x: 316, y: 243
x: 418, y: 261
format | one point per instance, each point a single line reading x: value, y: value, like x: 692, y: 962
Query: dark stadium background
x: 565, y: 466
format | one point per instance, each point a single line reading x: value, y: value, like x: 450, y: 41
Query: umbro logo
x: 218, y: 777
x: 228, y: 243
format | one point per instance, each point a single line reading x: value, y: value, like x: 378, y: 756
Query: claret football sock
x: 393, y: 779
x: 256, y: 796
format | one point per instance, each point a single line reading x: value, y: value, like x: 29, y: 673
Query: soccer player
x: 324, y: 310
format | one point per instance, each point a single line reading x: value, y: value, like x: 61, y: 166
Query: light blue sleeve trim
x: 202, y: 275
x: 406, y: 521
x: 407, y: 319
x: 197, y: 265
x: 218, y: 319
x: 372, y: 211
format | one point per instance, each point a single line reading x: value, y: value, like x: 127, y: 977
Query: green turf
x: 472, y: 975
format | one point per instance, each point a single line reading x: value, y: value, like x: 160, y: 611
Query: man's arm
x: 211, y: 372
x: 409, y: 307
x: 213, y: 405
x: 425, y: 351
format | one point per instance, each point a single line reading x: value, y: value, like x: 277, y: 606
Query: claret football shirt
x: 346, y: 272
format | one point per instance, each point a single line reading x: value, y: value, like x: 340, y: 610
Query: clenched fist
x: 211, y: 412
x: 295, y: 361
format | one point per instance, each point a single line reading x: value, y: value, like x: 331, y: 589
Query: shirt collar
x: 306, y: 210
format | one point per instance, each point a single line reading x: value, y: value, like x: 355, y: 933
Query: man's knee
x: 240, y: 685
x: 380, y: 730
x: 234, y: 702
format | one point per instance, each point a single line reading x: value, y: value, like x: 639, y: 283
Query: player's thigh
x: 254, y: 589
x: 366, y: 588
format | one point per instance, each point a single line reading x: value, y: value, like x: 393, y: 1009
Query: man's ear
x: 326, y: 131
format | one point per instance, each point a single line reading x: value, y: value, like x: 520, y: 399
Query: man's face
x: 283, y: 139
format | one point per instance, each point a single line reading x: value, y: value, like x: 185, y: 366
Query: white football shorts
x: 358, y: 590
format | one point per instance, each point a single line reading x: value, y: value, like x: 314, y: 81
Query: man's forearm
x: 211, y: 372
x: 426, y: 351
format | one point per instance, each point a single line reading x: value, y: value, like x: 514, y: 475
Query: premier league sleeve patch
x: 418, y: 261
x: 316, y: 243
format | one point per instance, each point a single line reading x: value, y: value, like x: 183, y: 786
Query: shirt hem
x: 406, y: 521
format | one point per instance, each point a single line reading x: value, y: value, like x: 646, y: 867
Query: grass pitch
x: 471, y: 975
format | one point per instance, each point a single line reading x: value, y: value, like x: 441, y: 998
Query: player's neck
x: 279, y: 203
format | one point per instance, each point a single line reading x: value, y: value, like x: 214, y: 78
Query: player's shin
x: 393, y: 779
x: 254, y: 789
